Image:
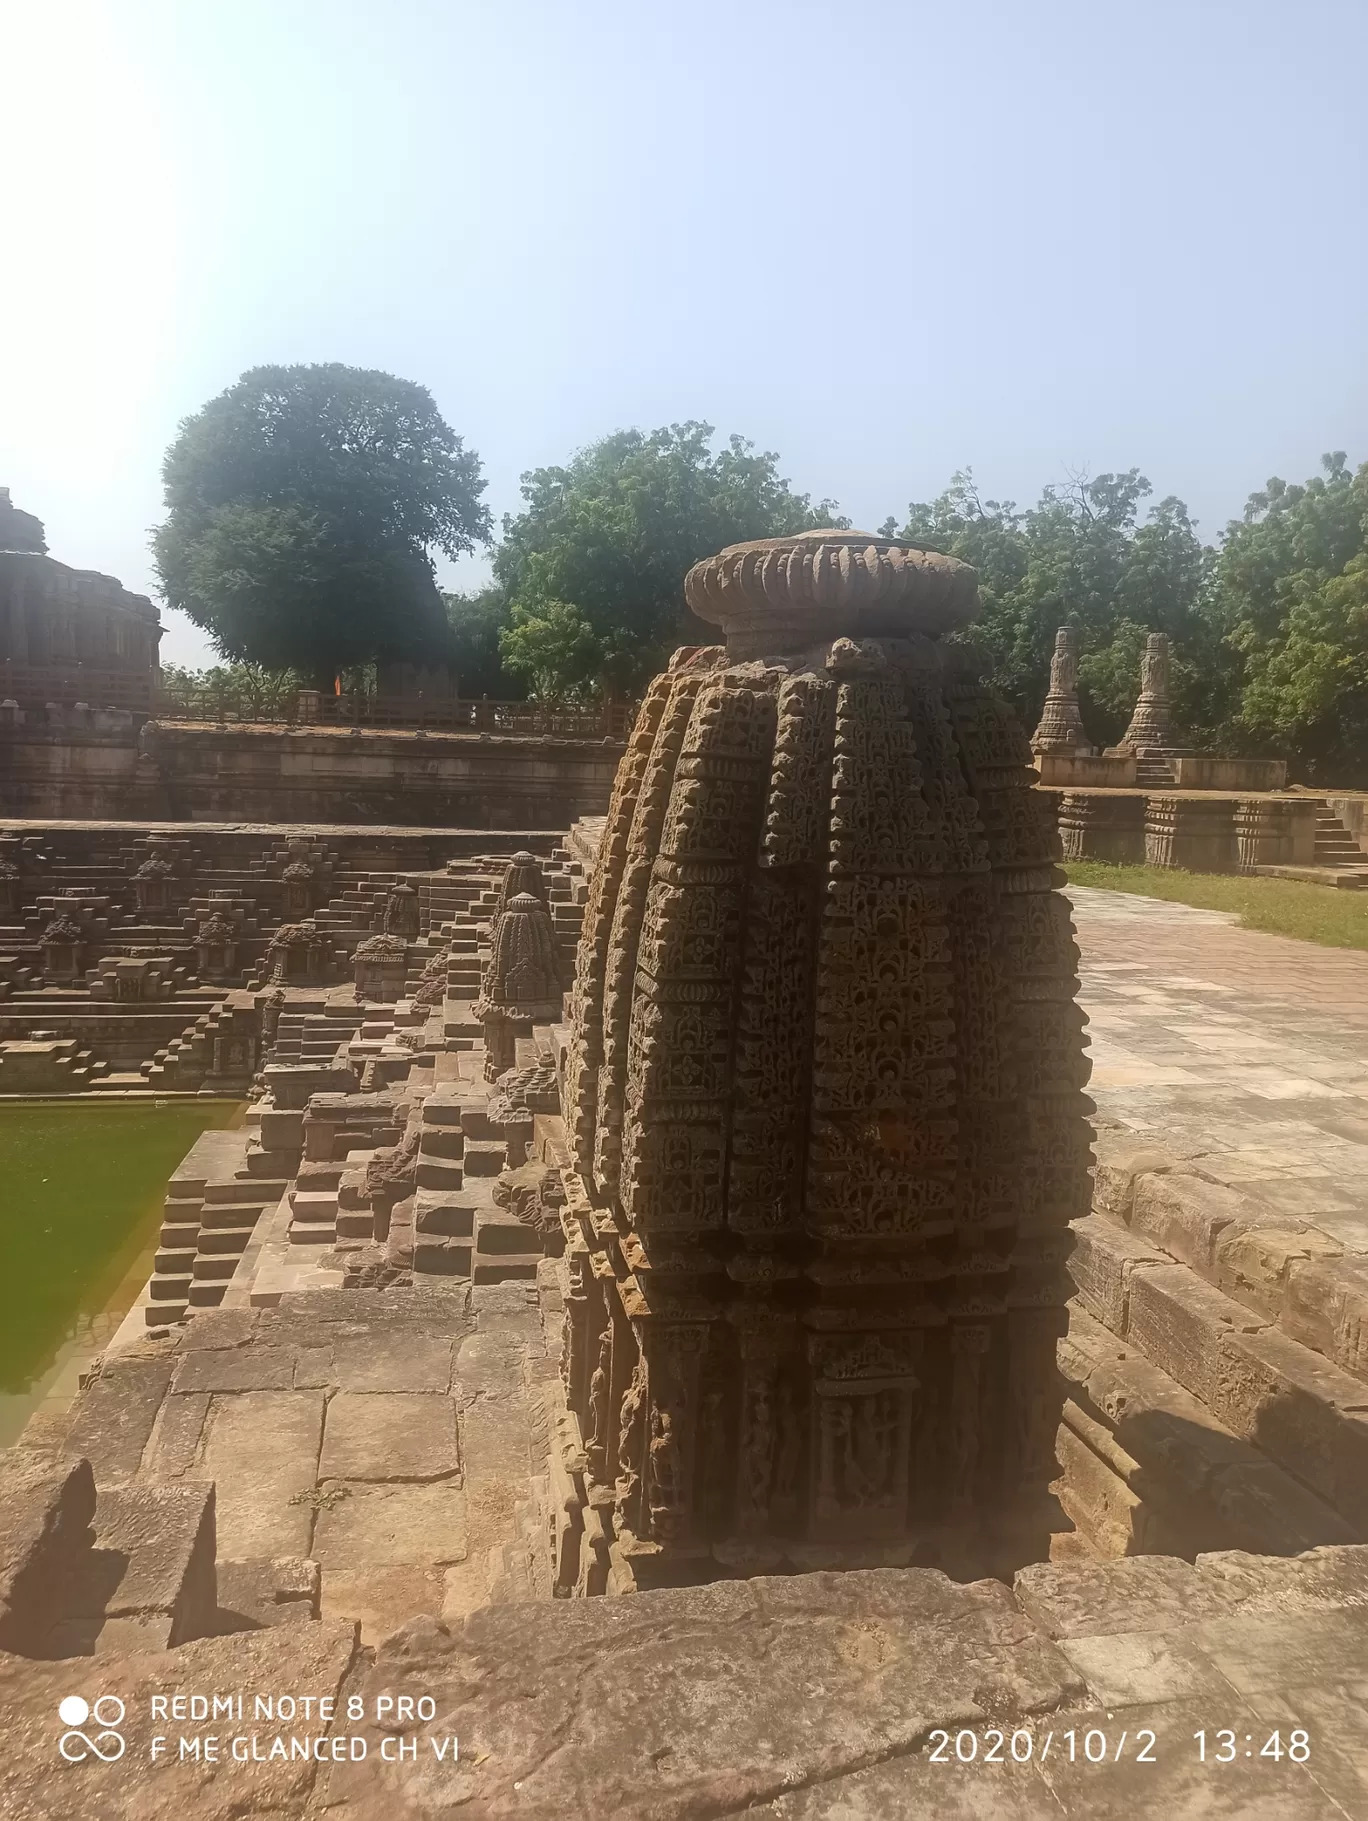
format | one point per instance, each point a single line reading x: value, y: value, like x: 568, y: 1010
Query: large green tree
x: 302, y: 505
x: 593, y: 566
x: 1083, y: 557
x: 1292, y: 583
x: 477, y: 621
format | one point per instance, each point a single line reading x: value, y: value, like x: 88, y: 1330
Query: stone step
x: 507, y: 1269
x: 177, y: 1261
x: 242, y: 1188
x: 169, y: 1288
x: 215, y: 1267
x: 155, y: 1541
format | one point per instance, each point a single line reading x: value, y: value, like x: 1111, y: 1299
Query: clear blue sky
x: 885, y: 240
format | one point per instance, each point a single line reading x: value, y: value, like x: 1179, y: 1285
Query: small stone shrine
x: 521, y: 984
x: 1061, y: 721
x: 1152, y: 734
x: 823, y: 1092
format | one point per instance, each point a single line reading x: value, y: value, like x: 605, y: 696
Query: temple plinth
x: 823, y: 1090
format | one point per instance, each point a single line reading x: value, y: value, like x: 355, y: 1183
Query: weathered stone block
x: 1097, y: 1498
x: 1253, y: 1263
x: 45, y: 1515
x: 153, y: 1563
x: 1184, y: 1216
x: 1179, y: 1323
x: 114, y: 1418
x: 1119, y: 1166
x: 261, y: 1449
x: 1101, y: 1264
x: 1142, y: 1593
x: 1301, y: 1410
x: 1325, y: 1307
x: 1313, y: 1580
x: 279, y: 1590
x: 235, y: 1369
x: 380, y: 1526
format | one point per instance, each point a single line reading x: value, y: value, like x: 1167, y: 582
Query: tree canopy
x: 593, y: 566
x: 1082, y: 557
x: 1292, y: 594
x: 302, y: 504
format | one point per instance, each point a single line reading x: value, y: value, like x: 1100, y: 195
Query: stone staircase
x: 1335, y: 846
x: 1153, y: 772
x: 218, y: 1051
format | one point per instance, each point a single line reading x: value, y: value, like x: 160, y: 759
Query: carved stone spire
x: 823, y: 1089
x: 1061, y: 724
x: 1152, y: 728
x: 523, y: 874
x: 520, y: 986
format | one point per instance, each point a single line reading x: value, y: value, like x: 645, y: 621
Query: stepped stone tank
x: 824, y: 1095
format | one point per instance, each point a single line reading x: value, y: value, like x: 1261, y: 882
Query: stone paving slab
x: 1250, y: 1049
x: 384, y: 1435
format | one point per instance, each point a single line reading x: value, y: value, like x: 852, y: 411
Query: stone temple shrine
x: 824, y: 1091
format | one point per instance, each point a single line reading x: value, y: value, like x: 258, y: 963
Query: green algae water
x: 81, y: 1190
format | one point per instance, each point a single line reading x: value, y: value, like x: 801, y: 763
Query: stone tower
x: 1152, y: 732
x: 823, y: 1092
x: 1061, y: 724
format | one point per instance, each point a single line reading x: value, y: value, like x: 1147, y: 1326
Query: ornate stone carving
x: 522, y: 877
x: 63, y: 942
x: 823, y: 1087
x: 401, y: 912
x: 298, y: 952
x: 520, y: 985
x: 1060, y: 729
x: 216, y: 947
x: 378, y: 968
x: 432, y: 982
x: 151, y: 884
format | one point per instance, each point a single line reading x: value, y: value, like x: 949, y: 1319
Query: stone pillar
x: 1061, y: 724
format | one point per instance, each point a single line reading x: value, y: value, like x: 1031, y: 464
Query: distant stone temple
x: 69, y: 635
x: 823, y: 1091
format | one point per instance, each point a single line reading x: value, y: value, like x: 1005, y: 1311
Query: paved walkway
x: 1251, y: 1048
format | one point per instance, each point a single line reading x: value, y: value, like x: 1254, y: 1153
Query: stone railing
x: 96, y: 685
x: 447, y: 714
x: 140, y: 692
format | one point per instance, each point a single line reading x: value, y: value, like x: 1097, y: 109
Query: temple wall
x: 1229, y: 774
x: 280, y: 774
x: 1068, y: 771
